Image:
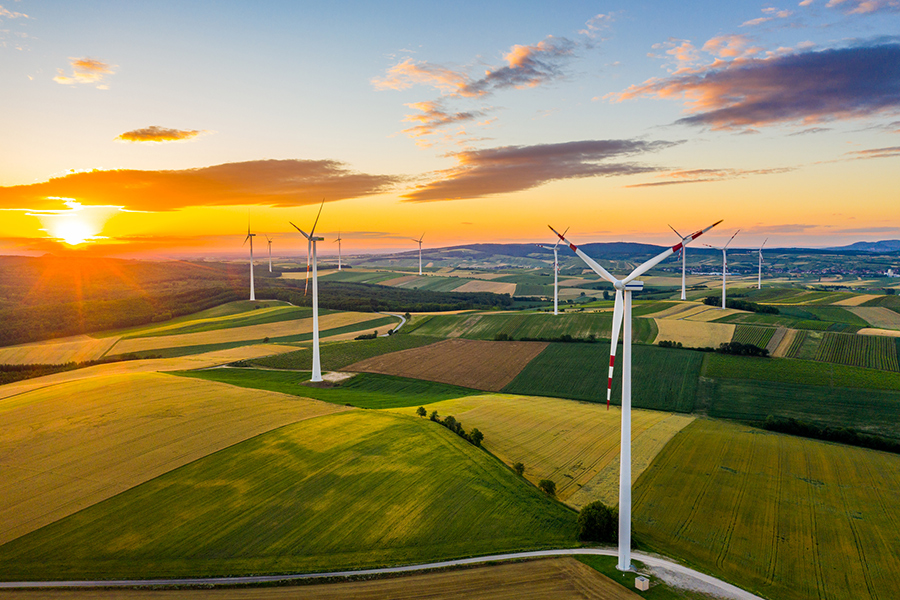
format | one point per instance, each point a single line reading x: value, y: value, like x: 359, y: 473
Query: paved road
x: 397, y: 328
x: 716, y: 586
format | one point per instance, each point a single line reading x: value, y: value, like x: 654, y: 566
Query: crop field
x: 878, y: 317
x: 278, y: 329
x: 882, y: 332
x: 856, y: 299
x: 758, y: 336
x: 830, y: 314
x: 874, y: 352
x: 67, y: 446
x: 711, y: 313
x: 80, y: 348
x: 669, y: 310
x: 694, y: 334
x: 783, y: 516
x: 476, y: 364
x: 365, y: 390
x: 337, y: 355
x: 301, y: 498
x: 662, y: 378
x: 351, y: 276
x: 576, y: 444
x: 805, y: 346
x: 495, y: 287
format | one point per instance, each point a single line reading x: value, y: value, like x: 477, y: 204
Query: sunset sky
x: 156, y: 129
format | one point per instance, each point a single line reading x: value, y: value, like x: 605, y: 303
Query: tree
x: 598, y: 523
x: 476, y: 437
x: 548, y: 486
x: 519, y: 468
x: 421, y: 411
x: 434, y: 416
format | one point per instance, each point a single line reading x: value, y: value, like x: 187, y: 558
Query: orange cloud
x: 876, y: 153
x: 263, y: 182
x: 865, y: 6
x: 433, y: 117
x: 85, y: 70
x: 707, y: 175
x: 409, y: 72
x: 155, y: 133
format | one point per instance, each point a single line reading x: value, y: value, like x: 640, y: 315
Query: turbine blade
x: 763, y: 244
x: 618, y: 313
x: 594, y: 265
x: 732, y: 237
x: 676, y: 232
x: 559, y: 240
x: 321, y: 206
x: 300, y: 230
x: 666, y: 253
x: 245, y: 240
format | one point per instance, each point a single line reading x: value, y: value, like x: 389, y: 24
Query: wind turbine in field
x: 311, y: 259
x: 338, y: 240
x: 250, y: 237
x: 724, y: 262
x: 622, y: 319
x: 759, y: 283
x: 555, y: 249
x: 683, y: 259
x: 419, y: 242
x: 268, y: 239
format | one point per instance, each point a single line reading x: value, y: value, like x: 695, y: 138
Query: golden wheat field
x: 67, y: 446
x: 238, y: 334
x: 478, y: 364
x: 884, y: 332
x: 80, y: 348
x: 576, y: 444
x: 694, y: 334
x: 496, y: 287
x: 878, y: 317
x: 856, y: 300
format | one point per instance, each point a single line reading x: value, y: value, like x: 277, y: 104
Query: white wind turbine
x: 724, y: 262
x: 555, y: 249
x: 419, y: 242
x: 759, y: 283
x: 250, y: 237
x: 338, y: 240
x: 683, y: 259
x: 622, y: 318
x: 311, y: 258
x: 268, y: 239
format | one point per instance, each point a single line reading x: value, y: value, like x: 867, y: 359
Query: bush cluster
x: 669, y: 344
x: 738, y: 304
x: 842, y: 435
x: 598, y: 523
x: 740, y: 349
x: 474, y: 437
x: 564, y: 338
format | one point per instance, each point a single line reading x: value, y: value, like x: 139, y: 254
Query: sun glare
x: 73, y: 232
x: 76, y: 224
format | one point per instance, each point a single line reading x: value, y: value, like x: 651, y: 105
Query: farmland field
x: 878, y: 317
x: 757, y: 336
x: 79, y: 348
x: 694, y: 334
x: 337, y: 355
x: 662, y: 378
x: 476, y: 364
x: 874, y: 352
x: 783, y: 516
x: 67, y: 446
x: 302, y: 498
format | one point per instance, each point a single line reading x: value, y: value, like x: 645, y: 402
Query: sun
x: 73, y: 231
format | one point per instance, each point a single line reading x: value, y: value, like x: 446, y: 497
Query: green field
x: 662, y: 378
x: 364, y: 489
x: 757, y: 336
x: 259, y: 316
x: 337, y: 355
x: 781, y: 516
x: 365, y: 390
x: 870, y: 351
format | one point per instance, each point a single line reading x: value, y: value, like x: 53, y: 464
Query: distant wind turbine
x: 250, y: 237
x: 419, y: 242
x: 268, y: 239
x: 554, y: 247
x: 724, y: 262
x: 311, y: 259
x: 622, y: 317
x: 759, y: 283
x: 338, y: 240
x: 683, y: 259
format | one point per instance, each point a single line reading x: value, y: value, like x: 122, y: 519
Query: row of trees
x: 474, y: 437
x: 841, y: 435
x: 738, y: 304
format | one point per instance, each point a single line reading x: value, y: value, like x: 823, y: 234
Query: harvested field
x: 399, y: 280
x: 879, y: 317
x: 496, y: 287
x: 787, y: 342
x: 238, y: 334
x: 576, y: 444
x: 856, y: 300
x: 693, y: 309
x: 713, y: 313
x: 775, y: 340
x: 557, y: 578
x: 884, y: 332
x: 791, y: 517
x: 672, y: 311
x: 68, y: 446
x: 694, y: 334
x: 477, y: 364
x: 80, y: 348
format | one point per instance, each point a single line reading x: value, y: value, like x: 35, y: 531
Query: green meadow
x: 337, y: 355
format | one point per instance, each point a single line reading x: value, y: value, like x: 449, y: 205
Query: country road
x: 671, y: 572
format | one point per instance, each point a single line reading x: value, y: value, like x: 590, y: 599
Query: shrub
x: 548, y: 486
x: 434, y: 416
x: 476, y: 437
x: 519, y: 468
x: 421, y: 411
x: 669, y: 344
x: 598, y: 523
x: 740, y: 349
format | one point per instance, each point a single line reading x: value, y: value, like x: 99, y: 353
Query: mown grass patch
x: 369, y: 489
x: 662, y: 378
x: 781, y: 516
x: 366, y: 390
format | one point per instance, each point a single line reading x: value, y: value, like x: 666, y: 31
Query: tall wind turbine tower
x: 338, y: 240
x: 759, y: 282
x: 250, y: 237
x: 724, y: 262
x: 268, y: 239
x: 683, y: 259
x: 419, y: 242
x: 555, y: 249
x: 311, y: 259
x: 622, y: 319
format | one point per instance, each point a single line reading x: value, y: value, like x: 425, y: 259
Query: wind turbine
x: 250, y: 237
x: 268, y: 239
x: 311, y: 256
x: 622, y: 318
x: 338, y: 240
x: 759, y: 283
x: 724, y: 262
x: 683, y: 259
x: 419, y: 241
x: 554, y: 247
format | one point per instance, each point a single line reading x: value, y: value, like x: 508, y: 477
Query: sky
x: 161, y: 129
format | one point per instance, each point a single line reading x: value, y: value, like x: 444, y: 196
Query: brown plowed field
x: 478, y: 364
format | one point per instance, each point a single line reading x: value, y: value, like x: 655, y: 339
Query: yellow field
x: 712, y: 313
x: 878, y: 317
x: 259, y: 312
x: 79, y: 348
x: 237, y: 334
x: 68, y: 446
x: 555, y: 578
x: 495, y: 287
x: 674, y: 311
x: 572, y: 443
x: 694, y: 334
x: 785, y: 344
x: 856, y: 300
x: 874, y: 331
x: 400, y: 280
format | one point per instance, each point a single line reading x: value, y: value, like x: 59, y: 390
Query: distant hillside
x: 883, y: 246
